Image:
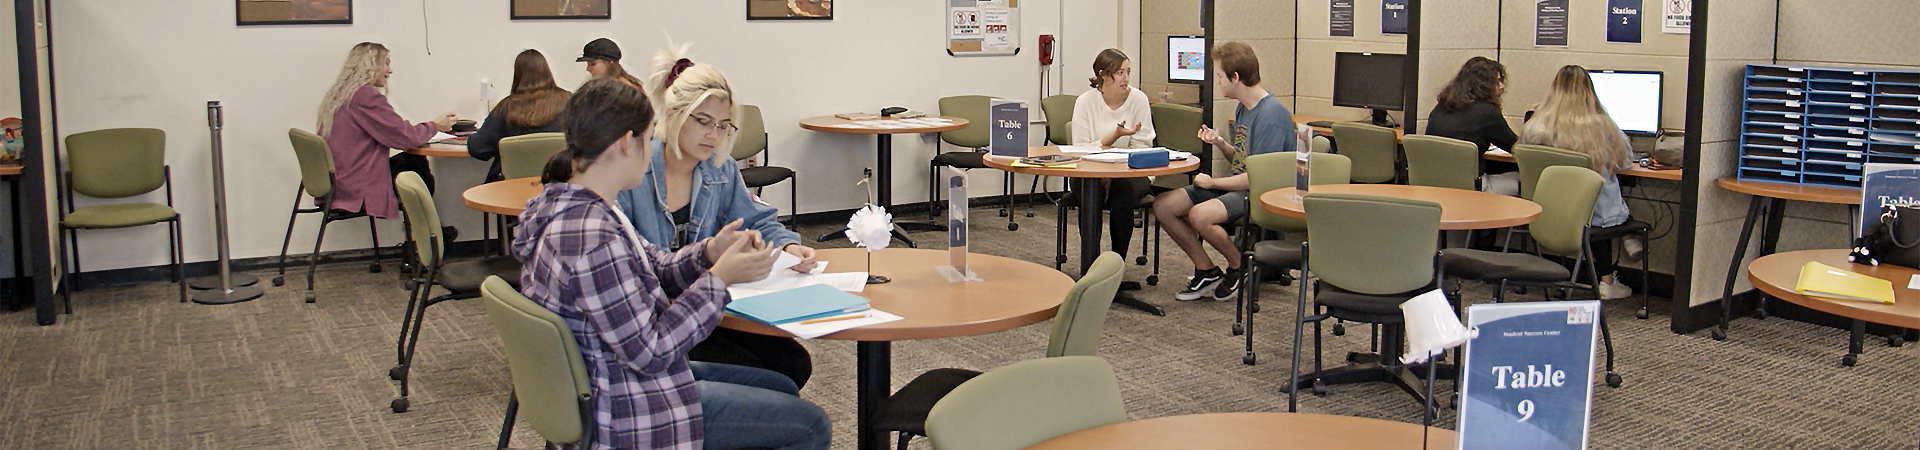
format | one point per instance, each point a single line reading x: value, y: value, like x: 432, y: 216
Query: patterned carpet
x: 131, y: 368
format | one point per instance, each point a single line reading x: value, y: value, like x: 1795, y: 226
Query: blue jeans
x: 745, y: 407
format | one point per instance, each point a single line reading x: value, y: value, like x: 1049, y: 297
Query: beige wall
x: 1265, y: 25
x: 1530, y: 69
x: 1737, y: 36
x: 1445, y: 45
x: 1314, y: 96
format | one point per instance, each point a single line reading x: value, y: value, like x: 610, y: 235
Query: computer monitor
x: 1186, y: 59
x: 1370, y: 80
x: 1631, y: 97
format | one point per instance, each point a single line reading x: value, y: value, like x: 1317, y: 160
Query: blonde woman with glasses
x: 694, y: 188
x: 360, y: 127
x: 1571, y: 118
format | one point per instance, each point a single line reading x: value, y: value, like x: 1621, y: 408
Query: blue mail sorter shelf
x: 1818, y: 125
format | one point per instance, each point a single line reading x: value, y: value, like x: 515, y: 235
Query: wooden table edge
x: 737, y: 323
x: 1005, y: 163
x: 1444, y: 224
x: 1635, y: 171
x: 1842, y: 308
x: 804, y: 124
x: 1437, y: 437
x: 440, y: 152
x: 1789, y: 191
x: 466, y: 198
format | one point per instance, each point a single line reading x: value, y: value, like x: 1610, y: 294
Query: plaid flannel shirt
x: 634, y: 315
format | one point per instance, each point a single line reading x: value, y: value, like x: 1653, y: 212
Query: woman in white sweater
x: 1115, y: 115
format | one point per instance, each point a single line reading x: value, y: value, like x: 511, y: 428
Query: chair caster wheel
x: 1255, y: 307
x: 1642, y: 313
x: 279, y: 281
x: 399, y: 405
x: 1059, y: 259
x: 1849, y: 360
x: 1896, y: 341
x: 1339, y: 330
x: 410, y: 285
x: 1140, y: 260
x: 1153, y: 280
x: 397, y: 372
x: 1717, y: 335
x: 1237, y: 330
x: 373, y: 268
x: 1760, y: 313
x: 1453, y: 401
x: 1029, y: 212
x: 1613, y: 380
x: 1003, y: 213
x: 1520, y: 290
x: 1013, y: 227
x: 1286, y: 279
x: 1319, y: 388
x: 309, y: 296
x: 1247, y: 360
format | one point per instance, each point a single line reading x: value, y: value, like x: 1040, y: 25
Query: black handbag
x: 1894, y: 240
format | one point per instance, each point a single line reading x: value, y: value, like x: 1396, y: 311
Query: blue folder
x: 797, y: 304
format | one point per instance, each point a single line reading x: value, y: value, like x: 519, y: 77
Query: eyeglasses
x: 725, y: 127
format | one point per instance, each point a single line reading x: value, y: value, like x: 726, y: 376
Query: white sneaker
x: 1612, y: 290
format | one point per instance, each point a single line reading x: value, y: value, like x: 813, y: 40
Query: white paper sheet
x: 814, y: 330
x: 1079, y: 148
x: 782, y: 279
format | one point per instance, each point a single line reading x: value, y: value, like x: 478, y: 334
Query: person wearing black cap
x: 603, y: 61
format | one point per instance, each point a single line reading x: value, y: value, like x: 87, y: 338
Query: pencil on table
x: 834, y: 319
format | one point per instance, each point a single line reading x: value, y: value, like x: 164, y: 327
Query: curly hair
x: 362, y: 67
x: 1475, y: 83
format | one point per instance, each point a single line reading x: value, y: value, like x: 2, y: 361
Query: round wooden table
x: 1015, y: 293
x: 1776, y: 275
x: 1253, y: 430
x: 441, y: 150
x: 504, y: 197
x: 1088, y: 174
x: 1769, y: 201
x: 884, y: 129
x: 1459, y: 209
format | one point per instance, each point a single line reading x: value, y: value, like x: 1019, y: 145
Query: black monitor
x: 1631, y: 98
x: 1186, y: 59
x: 1370, y: 80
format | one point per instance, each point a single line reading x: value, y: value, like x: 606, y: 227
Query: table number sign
x: 1528, y: 375
x: 956, y: 269
x: 1009, y: 127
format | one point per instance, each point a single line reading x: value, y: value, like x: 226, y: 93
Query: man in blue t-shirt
x: 1260, y: 125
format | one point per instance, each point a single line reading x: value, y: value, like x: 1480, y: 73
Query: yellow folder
x: 1824, y: 281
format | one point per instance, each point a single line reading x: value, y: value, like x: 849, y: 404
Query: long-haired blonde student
x: 1571, y: 118
x: 360, y: 127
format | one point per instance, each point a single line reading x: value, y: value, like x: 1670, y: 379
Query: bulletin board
x: 983, y: 27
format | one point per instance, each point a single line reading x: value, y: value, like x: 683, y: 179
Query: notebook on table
x: 1824, y: 281
x: 797, y: 304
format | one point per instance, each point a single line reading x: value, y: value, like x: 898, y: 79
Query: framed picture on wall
x: 562, y: 9
x: 789, y: 9
x: 294, y: 12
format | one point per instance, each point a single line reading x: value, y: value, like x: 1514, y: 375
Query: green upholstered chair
x: 1175, y: 127
x: 1076, y: 332
x: 976, y: 109
x: 316, y: 182
x: 1441, y: 162
x: 461, y: 279
x: 119, y: 163
x: 526, y: 155
x: 752, y: 140
x: 1364, y: 256
x: 1566, y: 199
x: 1272, y: 251
x: 1058, y: 110
x: 549, y: 373
x: 1533, y: 159
x: 1322, y: 145
x: 1028, y: 402
x: 1372, y: 148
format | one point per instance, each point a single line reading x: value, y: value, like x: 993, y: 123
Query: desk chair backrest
x: 1025, y: 403
x: 1372, y: 148
x: 1269, y: 171
x: 1533, y: 159
x: 423, y: 219
x: 975, y: 109
x: 1177, y: 127
x: 549, y: 374
x: 526, y: 155
x: 316, y: 162
x: 1076, y: 327
x: 117, y: 162
x: 1441, y: 161
x: 1566, y: 197
x: 1321, y: 144
x: 1058, y: 110
x: 1370, y: 244
x: 752, y: 137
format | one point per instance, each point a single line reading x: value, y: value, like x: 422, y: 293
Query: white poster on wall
x: 965, y: 24
x: 996, y: 26
x: 1676, y: 16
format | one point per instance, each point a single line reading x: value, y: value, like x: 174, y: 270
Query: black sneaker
x: 1199, y: 284
x: 1230, y: 286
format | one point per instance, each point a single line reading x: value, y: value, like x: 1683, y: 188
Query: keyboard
x: 1321, y: 123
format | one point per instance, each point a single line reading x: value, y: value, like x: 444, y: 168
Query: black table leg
x: 875, y: 383
x: 1755, y: 207
x: 1769, y: 240
x: 1090, y: 200
x: 1854, y: 336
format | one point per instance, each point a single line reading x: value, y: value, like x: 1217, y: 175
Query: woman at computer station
x: 1571, y: 118
x: 694, y: 189
x: 1468, y: 109
x: 1115, y: 115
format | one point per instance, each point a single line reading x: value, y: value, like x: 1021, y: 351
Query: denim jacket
x: 718, y: 197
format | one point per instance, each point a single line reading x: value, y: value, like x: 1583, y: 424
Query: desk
x: 1777, y: 273
x: 504, y: 197
x: 884, y: 140
x: 441, y: 150
x: 1253, y: 430
x: 1088, y: 175
x: 1016, y: 293
x: 1633, y: 171
x: 1769, y: 200
x: 1328, y: 131
x: 1459, y: 209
